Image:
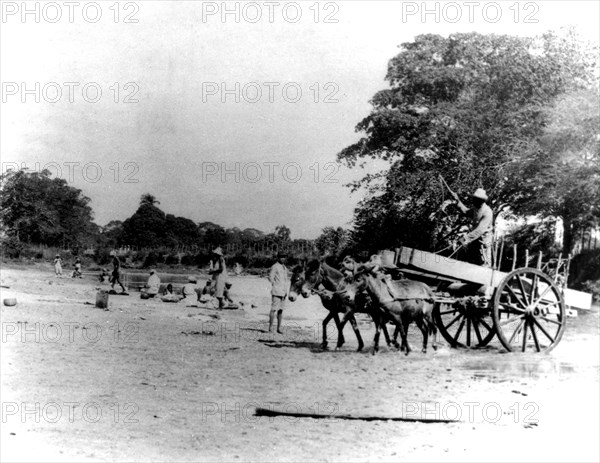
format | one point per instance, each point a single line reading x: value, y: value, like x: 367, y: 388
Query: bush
x: 188, y: 260
x: 593, y: 287
x: 102, y: 256
x: 11, y: 248
x: 172, y: 260
x: 151, y: 260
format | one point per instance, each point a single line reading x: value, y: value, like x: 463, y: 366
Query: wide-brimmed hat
x: 480, y: 194
x: 152, y: 271
x: 218, y: 251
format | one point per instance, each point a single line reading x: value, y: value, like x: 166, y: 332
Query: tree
x: 469, y: 107
x: 212, y: 234
x: 148, y: 198
x: 562, y: 176
x: 332, y: 241
x: 282, y: 233
x: 146, y: 228
x: 38, y: 209
x: 181, y: 231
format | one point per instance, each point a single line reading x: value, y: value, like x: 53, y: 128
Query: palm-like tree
x: 148, y: 198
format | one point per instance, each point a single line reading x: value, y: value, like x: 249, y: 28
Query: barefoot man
x: 280, y: 286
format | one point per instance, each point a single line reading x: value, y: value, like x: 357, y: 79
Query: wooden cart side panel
x: 452, y: 268
x: 466, y: 272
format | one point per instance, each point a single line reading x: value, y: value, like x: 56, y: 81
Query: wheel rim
x: 462, y: 326
x: 529, y: 312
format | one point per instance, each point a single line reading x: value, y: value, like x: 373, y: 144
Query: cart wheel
x: 529, y: 311
x: 462, y: 326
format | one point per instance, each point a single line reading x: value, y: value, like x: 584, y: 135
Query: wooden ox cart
x: 525, y: 308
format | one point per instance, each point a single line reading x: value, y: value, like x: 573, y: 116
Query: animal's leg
x: 433, y: 331
x: 403, y: 326
x: 325, y: 323
x: 395, y: 341
x: 425, y: 332
x: 376, y: 338
x: 432, y: 328
x: 358, y: 336
x: 340, y: 328
x: 378, y: 320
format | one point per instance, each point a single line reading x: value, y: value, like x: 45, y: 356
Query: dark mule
x: 306, y: 280
x: 410, y: 301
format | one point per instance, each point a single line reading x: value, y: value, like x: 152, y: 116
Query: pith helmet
x: 218, y: 251
x: 480, y: 194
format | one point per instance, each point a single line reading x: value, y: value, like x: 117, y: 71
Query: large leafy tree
x: 468, y: 107
x: 38, y: 209
x: 147, y: 227
x: 332, y: 241
x: 561, y: 178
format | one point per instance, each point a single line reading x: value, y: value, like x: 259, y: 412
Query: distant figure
x: 77, y: 272
x: 226, y: 295
x: 153, y: 284
x: 116, y: 274
x: 190, y: 290
x: 207, y: 290
x: 280, y: 286
x: 58, y: 266
x: 219, y: 276
x: 168, y: 290
x: 104, y: 276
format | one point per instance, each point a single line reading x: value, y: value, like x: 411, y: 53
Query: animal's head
x: 348, y: 264
x: 298, y: 283
x: 349, y: 293
x: 312, y: 277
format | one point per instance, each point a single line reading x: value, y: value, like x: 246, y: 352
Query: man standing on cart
x: 478, y: 242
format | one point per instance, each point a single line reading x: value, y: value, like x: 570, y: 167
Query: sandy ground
x: 151, y: 381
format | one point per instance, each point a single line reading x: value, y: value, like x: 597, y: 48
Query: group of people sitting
x: 190, y: 292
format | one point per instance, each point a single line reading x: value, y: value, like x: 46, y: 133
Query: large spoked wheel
x: 529, y: 311
x: 464, y: 325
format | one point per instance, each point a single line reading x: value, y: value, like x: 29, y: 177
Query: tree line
x: 517, y: 116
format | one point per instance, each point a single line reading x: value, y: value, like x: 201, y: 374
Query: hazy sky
x: 266, y: 159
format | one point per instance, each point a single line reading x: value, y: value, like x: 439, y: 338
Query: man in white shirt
x: 280, y: 287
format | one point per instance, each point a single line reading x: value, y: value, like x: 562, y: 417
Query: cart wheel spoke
x: 524, y: 345
x: 523, y: 292
x: 539, y: 299
x: 516, y: 331
x: 556, y: 322
x: 533, y: 287
x: 534, y: 334
x: 509, y: 321
x: 453, y: 321
x: 446, y: 312
x: 518, y: 298
x: 512, y: 308
x: 469, y: 332
x: 462, y: 324
x: 487, y: 327
x: 476, y: 329
x: 543, y: 330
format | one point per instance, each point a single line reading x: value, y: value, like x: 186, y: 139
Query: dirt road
x: 148, y: 381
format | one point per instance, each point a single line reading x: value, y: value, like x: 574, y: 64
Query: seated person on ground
x: 190, y: 290
x: 153, y: 285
